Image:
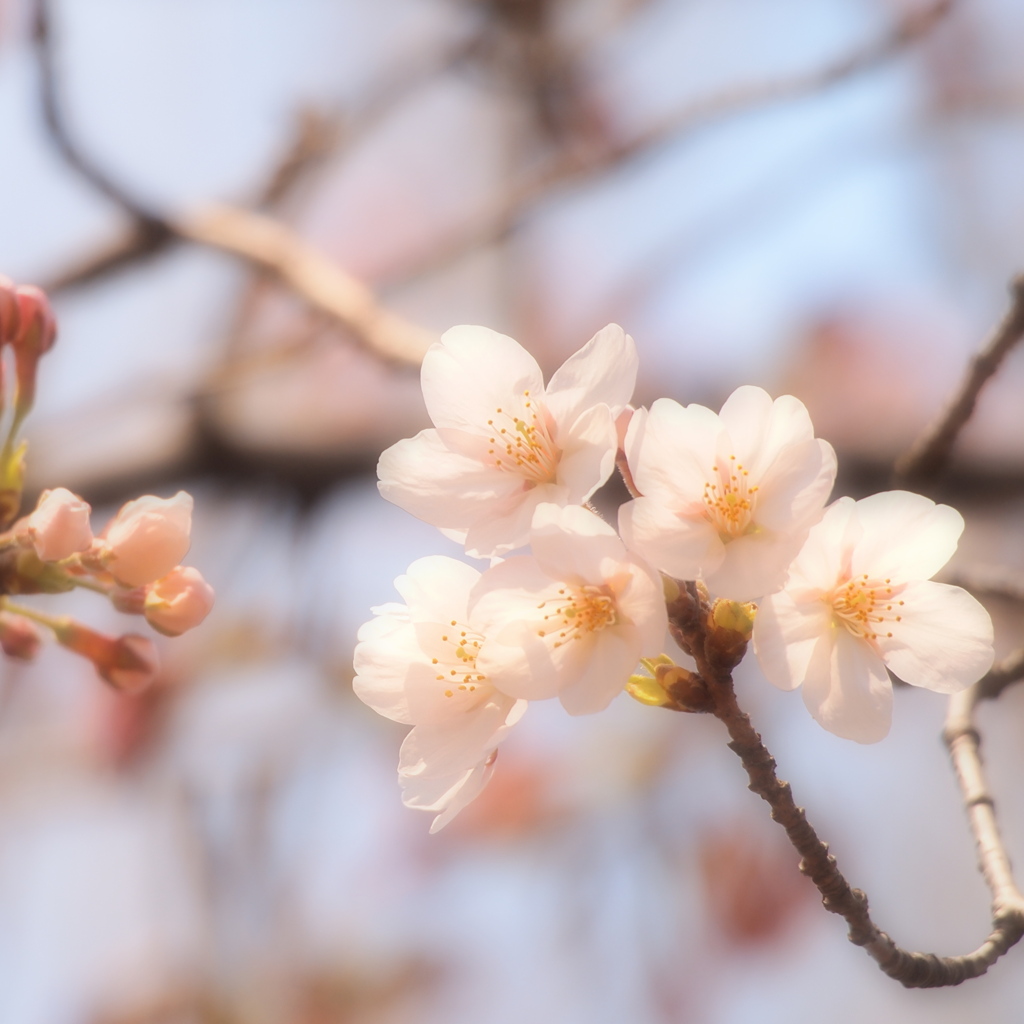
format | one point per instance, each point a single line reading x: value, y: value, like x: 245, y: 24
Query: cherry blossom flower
x: 59, y: 525
x: 178, y: 601
x: 571, y: 620
x: 502, y: 443
x: 147, y: 538
x: 417, y: 663
x: 859, y: 601
x: 727, y: 497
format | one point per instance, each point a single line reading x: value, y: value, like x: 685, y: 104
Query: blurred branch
x: 716, y: 653
x: 578, y: 164
x: 269, y: 245
x: 931, y: 451
x: 1001, y: 675
x: 988, y: 581
x: 259, y: 240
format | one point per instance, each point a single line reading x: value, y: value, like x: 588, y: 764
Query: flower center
x: 456, y: 663
x: 729, y: 502
x: 522, y: 443
x: 863, y: 605
x: 578, y: 612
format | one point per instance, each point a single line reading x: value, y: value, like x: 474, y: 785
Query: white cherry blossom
x: 859, y: 601
x: 571, y: 620
x: 502, y: 443
x: 727, y: 497
x: 416, y: 663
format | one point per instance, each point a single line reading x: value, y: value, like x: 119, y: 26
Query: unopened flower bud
x: 669, y: 686
x: 19, y: 638
x: 148, y: 538
x: 178, y: 602
x: 35, y: 336
x: 9, y: 317
x: 59, y: 526
x: 129, y: 663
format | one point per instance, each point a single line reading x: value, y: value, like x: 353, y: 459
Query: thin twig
x: 1001, y: 675
x: 932, y: 450
x: 988, y: 581
x: 689, y: 615
x: 578, y: 164
x: 149, y: 226
x: 269, y: 245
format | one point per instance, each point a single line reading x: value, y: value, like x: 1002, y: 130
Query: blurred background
x: 818, y: 196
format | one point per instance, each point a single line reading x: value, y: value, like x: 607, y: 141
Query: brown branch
x: 269, y: 245
x: 578, y: 164
x: 931, y: 451
x: 148, y: 227
x: 1001, y: 675
x: 988, y: 581
x: 716, y: 652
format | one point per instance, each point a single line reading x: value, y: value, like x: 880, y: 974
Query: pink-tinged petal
x: 906, y: 536
x: 767, y: 428
x: 682, y: 547
x: 943, y: 640
x: 602, y: 372
x: 386, y: 650
x: 794, y: 488
x: 671, y: 451
x: 588, y: 453
x: 473, y: 371
x: 792, y: 640
x: 826, y: 553
x: 521, y: 663
x: 612, y: 659
x: 448, y: 795
x: 640, y: 598
x: 854, y: 698
x: 754, y: 565
x: 441, y: 487
x: 573, y: 543
x: 436, y: 588
x: 508, y: 527
x: 448, y: 748
x: 746, y: 420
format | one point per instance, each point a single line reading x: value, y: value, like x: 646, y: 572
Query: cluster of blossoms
x: 134, y: 561
x: 736, y: 500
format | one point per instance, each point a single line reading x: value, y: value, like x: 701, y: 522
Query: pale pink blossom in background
x: 502, y: 443
x: 573, y: 619
x: 148, y: 538
x: 417, y: 663
x: 59, y: 525
x: 727, y: 497
x: 178, y: 601
x: 859, y: 601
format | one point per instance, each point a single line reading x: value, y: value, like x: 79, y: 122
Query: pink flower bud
x: 148, y: 538
x: 19, y: 638
x: 178, y: 602
x: 129, y: 663
x: 9, y: 317
x: 59, y: 526
x: 36, y: 332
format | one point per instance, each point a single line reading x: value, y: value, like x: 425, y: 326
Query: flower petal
x: 573, y: 544
x: 471, y: 372
x: 754, y: 565
x: 602, y: 372
x: 587, y: 453
x: 613, y: 658
x: 906, y: 536
x: 943, y: 641
x: 436, y: 588
x: 786, y: 635
x: 671, y: 450
x: 852, y: 697
x: 681, y: 546
x: 441, y: 487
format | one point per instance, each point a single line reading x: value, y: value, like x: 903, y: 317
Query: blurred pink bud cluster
x: 28, y: 325
x: 135, y: 562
